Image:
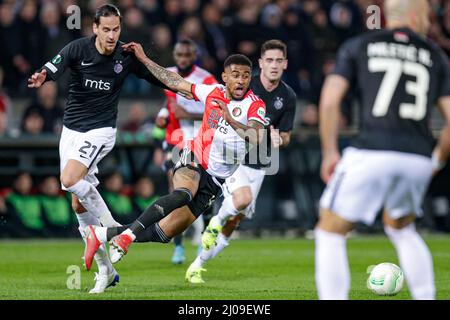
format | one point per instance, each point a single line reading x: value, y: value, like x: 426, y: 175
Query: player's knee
x: 331, y: 222
x: 68, y: 180
x: 243, y: 198
x: 398, y: 223
x: 78, y: 207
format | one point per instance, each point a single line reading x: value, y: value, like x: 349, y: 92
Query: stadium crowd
x: 33, y: 31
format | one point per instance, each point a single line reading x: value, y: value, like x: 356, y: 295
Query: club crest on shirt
x: 237, y: 112
x: 278, y: 104
x: 118, y: 67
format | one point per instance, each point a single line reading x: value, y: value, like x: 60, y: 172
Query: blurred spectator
x: 136, y: 118
x: 125, y: 5
x: 119, y: 204
x: 346, y: 18
x: 49, y: 109
x: 215, y: 35
x: 4, y: 107
x: 271, y: 21
x: 144, y: 195
x: 161, y: 51
x: 192, y: 29
x: 245, y: 32
x: 134, y: 28
x: 191, y: 7
x: 300, y: 54
x: 56, y: 210
x: 32, y: 124
x: 152, y: 11
x: 173, y: 15
x: 7, y: 34
x: 54, y: 37
x: 24, y: 217
x: 27, y: 42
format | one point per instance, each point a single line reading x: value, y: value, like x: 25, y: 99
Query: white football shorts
x: 89, y: 148
x: 245, y: 176
x: 366, y: 181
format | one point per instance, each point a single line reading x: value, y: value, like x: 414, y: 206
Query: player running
x: 98, y: 66
x: 399, y: 76
x: 181, y: 118
x: 242, y: 188
x: 233, y: 115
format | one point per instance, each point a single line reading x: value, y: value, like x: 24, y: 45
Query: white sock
x: 90, y: 199
x: 205, y: 255
x: 226, y: 211
x: 415, y: 261
x: 332, y: 270
x: 101, y: 257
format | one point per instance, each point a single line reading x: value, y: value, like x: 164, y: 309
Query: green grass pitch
x: 271, y: 269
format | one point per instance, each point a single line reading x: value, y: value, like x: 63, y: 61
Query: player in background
x: 98, y: 66
x: 181, y: 118
x: 242, y: 188
x: 234, y: 117
x: 399, y: 76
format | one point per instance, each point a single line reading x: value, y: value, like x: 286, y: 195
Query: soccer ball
x: 385, y: 279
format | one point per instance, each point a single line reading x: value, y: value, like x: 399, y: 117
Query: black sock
x: 154, y: 233
x: 178, y: 239
x: 114, y: 231
x: 161, y: 208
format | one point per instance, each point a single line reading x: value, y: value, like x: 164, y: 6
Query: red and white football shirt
x: 217, y: 145
x: 179, y: 130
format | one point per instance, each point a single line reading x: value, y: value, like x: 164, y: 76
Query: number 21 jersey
x: 398, y: 76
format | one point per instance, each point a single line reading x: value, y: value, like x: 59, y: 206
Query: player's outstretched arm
x: 333, y: 92
x: 37, y: 79
x: 253, y: 132
x: 441, y: 153
x: 171, y: 79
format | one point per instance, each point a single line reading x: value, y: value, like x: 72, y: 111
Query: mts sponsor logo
x: 98, y: 84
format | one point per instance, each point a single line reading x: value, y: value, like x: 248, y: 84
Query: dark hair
x: 106, y: 10
x: 238, y: 59
x: 187, y: 42
x: 274, y: 44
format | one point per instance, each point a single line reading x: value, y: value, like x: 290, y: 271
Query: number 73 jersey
x: 217, y: 146
x: 397, y: 76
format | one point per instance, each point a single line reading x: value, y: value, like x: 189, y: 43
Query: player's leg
x: 355, y: 192
x: 403, y: 204
x: 186, y: 182
x: 80, y: 153
x: 107, y: 275
x: 231, y: 206
x: 413, y: 254
x: 332, y: 269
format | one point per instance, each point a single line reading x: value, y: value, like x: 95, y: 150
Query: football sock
x: 221, y: 243
x: 331, y: 264
x: 226, y: 211
x: 178, y: 240
x: 415, y: 261
x: 153, y: 233
x: 161, y: 208
x: 90, y: 199
x: 101, y: 257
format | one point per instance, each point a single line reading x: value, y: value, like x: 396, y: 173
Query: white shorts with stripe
x: 245, y: 176
x: 366, y: 181
x: 89, y: 148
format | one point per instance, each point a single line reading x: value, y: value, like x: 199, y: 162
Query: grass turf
x: 270, y: 269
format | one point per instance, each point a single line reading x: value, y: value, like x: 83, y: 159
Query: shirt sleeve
x: 257, y: 112
x: 287, y: 120
x: 201, y: 91
x: 210, y: 80
x: 346, y: 60
x: 141, y: 71
x: 59, y: 63
x: 444, y: 82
